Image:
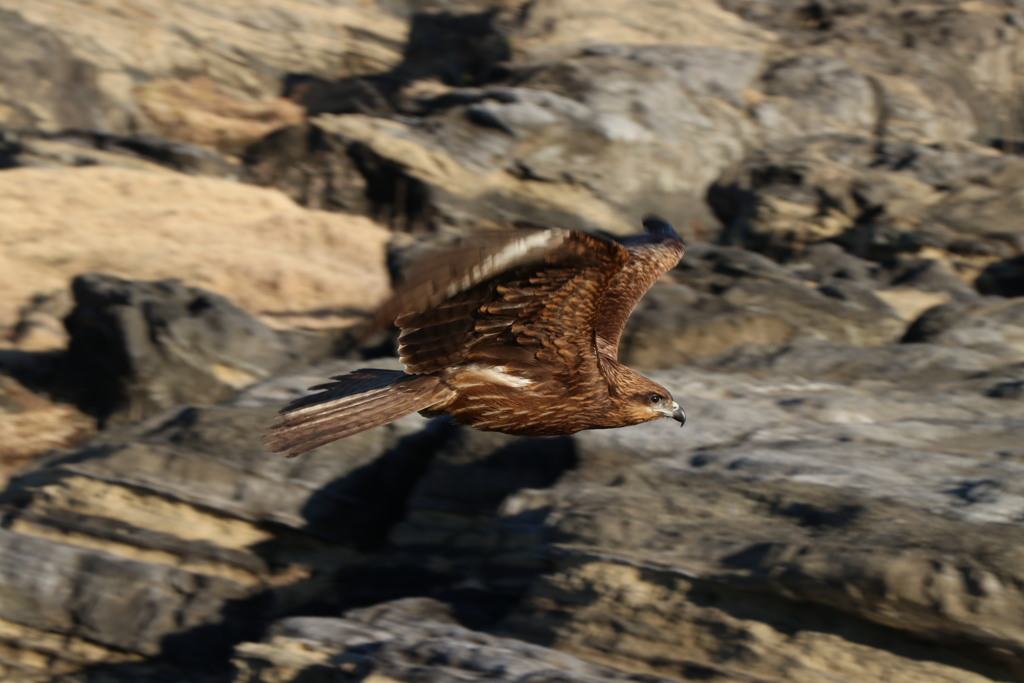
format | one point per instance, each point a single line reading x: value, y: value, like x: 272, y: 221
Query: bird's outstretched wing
x: 651, y: 255
x: 531, y: 299
x: 441, y: 275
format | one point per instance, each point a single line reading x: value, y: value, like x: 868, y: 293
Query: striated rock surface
x: 131, y: 349
x: 576, y: 142
x: 800, y: 528
x: 163, y: 506
x: 871, y: 514
x: 393, y: 641
x: 729, y: 298
x: 189, y: 71
x: 845, y: 504
x: 801, y: 128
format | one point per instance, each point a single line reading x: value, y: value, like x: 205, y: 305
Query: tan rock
x: 910, y: 303
x: 639, y: 615
x: 648, y: 22
x: 200, y: 112
x: 31, y: 424
x: 122, y: 59
x: 24, y: 649
x: 287, y: 264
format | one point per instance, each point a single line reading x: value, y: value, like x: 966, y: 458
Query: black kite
x: 515, y: 332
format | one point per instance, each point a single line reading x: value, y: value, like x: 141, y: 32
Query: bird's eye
x: 656, y: 399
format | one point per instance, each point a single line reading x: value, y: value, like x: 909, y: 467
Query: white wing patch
x: 501, y: 259
x: 476, y: 374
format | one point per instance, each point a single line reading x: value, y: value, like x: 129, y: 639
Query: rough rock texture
x: 838, y: 525
x: 877, y: 200
x: 143, y: 347
x: 575, y: 142
x: 190, y: 71
x: 728, y: 298
x: 880, y: 516
x: 846, y: 333
x: 30, y: 424
x: 135, y: 352
x: 164, y: 506
x: 271, y: 257
x: 887, y: 139
x: 1005, y: 278
x: 393, y: 641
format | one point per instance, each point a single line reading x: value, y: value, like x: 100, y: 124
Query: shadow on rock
x: 424, y: 519
x: 427, y: 516
x: 361, y: 507
x: 138, y: 348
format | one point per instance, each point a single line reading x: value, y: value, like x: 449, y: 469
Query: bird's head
x: 639, y: 399
x: 651, y: 401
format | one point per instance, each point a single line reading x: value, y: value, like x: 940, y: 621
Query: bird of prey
x: 515, y: 332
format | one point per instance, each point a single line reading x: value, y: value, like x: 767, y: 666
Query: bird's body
x: 512, y: 332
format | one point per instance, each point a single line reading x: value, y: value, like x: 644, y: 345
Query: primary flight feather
x: 511, y: 332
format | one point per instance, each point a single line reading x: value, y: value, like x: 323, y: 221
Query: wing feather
x: 440, y: 276
x: 352, y: 404
x: 548, y: 289
x: 650, y: 256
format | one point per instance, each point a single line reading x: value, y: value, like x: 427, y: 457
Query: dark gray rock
x: 933, y: 48
x: 928, y: 275
x: 839, y: 507
x: 179, y: 536
x: 222, y: 537
x: 934, y: 321
x: 1011, y: 390
x: 314, y: 169
x: 917, y: 364
x: 208, y: 75
x: 993, y: 326
x: 113, y: 601
x: 587, y: 122
x: 137, y: 348
x: 1003, y: 278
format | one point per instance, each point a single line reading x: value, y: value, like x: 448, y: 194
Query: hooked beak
x: 677, y: 414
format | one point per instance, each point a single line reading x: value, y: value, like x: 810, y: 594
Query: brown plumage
x: 510, y: 332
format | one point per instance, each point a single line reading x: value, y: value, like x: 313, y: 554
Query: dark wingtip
x: 659, y: 227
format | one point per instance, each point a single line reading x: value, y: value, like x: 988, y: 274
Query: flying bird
x: 514, y: 332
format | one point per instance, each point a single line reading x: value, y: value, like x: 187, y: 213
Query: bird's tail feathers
x: 351, y: 404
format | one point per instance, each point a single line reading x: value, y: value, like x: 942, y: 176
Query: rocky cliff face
x: 846, y: 333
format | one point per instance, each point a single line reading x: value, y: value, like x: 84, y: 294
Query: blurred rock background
x: 197, y: 200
